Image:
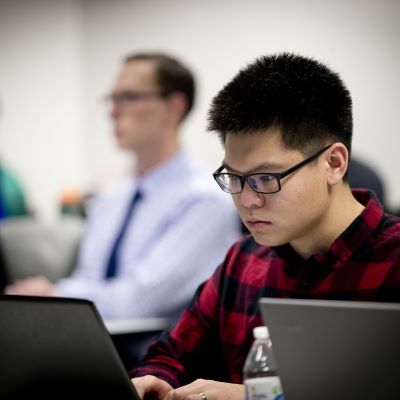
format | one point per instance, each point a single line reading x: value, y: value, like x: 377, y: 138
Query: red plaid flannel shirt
x: 214, y: 334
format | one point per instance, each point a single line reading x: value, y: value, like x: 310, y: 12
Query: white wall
x: 41, y: 93
x: 81, y: 44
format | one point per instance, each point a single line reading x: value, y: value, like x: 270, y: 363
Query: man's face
x: 294, y: 214
x: 138, y: 122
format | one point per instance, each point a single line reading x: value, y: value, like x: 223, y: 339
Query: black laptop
x: 334, y: 350
x: 3, y: 270
x: 56, y: 348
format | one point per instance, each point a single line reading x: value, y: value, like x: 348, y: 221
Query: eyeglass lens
x: 260, y: 183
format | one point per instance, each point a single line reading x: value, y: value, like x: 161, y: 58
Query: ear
x: 337, y: 163
x: 178, y: 105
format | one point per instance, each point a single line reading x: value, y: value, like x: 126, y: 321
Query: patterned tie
x: 112, y: 265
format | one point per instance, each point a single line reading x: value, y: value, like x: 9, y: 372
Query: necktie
x: 112, y: 265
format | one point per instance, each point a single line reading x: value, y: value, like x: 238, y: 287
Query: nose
x: 113, y: 111
x: 249, y: 198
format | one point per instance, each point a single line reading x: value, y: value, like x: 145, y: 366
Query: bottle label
x: 264, y: 388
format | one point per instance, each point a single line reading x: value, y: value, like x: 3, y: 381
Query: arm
x: 193, y: 348
x: 34, y: 286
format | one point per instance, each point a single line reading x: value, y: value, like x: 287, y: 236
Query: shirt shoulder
x: 389, y: 227
x: 385, y: 241
x: 387, y: 232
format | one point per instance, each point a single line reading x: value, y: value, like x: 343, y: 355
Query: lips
x: 257, y: 223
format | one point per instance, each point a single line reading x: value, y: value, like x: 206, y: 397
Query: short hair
x: 306, y: 100
x: 171, y: 74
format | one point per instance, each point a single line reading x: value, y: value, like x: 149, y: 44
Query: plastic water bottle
x: 259, y: 372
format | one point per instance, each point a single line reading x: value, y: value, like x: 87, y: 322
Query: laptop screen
x: 3, y: 270
x: 335, y: 349
x: 54, y: 348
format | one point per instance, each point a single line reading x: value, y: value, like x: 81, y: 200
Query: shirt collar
x: 361, y: 228
x: 169, y: 171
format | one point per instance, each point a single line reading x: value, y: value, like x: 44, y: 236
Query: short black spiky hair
x: 302, y: 97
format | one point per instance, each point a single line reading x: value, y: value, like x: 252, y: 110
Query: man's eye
x: 128, y: 96
x: 234, y: 178
x: 266, y: 178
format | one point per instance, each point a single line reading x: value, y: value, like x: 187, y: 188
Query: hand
x: 211, y: 390
x: 34, y: 286
x: 151, y: 385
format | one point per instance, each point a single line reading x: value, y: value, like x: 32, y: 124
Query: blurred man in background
x: 153, y: 238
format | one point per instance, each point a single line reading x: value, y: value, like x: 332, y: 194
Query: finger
x: 11, y: 289
x: 140, y: 389
x: 15, y: 289
x: 183, y: 395
x: 192, y: 391
x: 199, y: 396
x: 151, y: 385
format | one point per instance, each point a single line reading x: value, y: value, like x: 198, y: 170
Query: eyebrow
x: 266, y: 168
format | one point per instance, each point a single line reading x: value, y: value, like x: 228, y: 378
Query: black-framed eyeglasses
x: 265, y: 183
x: 130, y: 96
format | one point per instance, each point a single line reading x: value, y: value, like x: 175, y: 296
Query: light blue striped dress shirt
x: 179, y: 233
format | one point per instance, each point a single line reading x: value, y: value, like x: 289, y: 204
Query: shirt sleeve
x: 193, y: 347
x: 164, y: 279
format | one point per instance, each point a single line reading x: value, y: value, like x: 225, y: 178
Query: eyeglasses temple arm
x: 304, y: 162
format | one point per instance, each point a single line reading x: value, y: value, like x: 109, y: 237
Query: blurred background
x: 58, y: 59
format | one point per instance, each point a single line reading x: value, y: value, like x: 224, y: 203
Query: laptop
x: 3, y: 270
x: 56, y: 348
x: 334, y: 350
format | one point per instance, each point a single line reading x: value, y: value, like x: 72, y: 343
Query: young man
x: 154, y: 237
x: 286, y: 124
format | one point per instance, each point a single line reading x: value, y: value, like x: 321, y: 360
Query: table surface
x: 136, y: 325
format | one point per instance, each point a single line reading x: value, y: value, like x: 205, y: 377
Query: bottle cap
x: 260, y: 332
